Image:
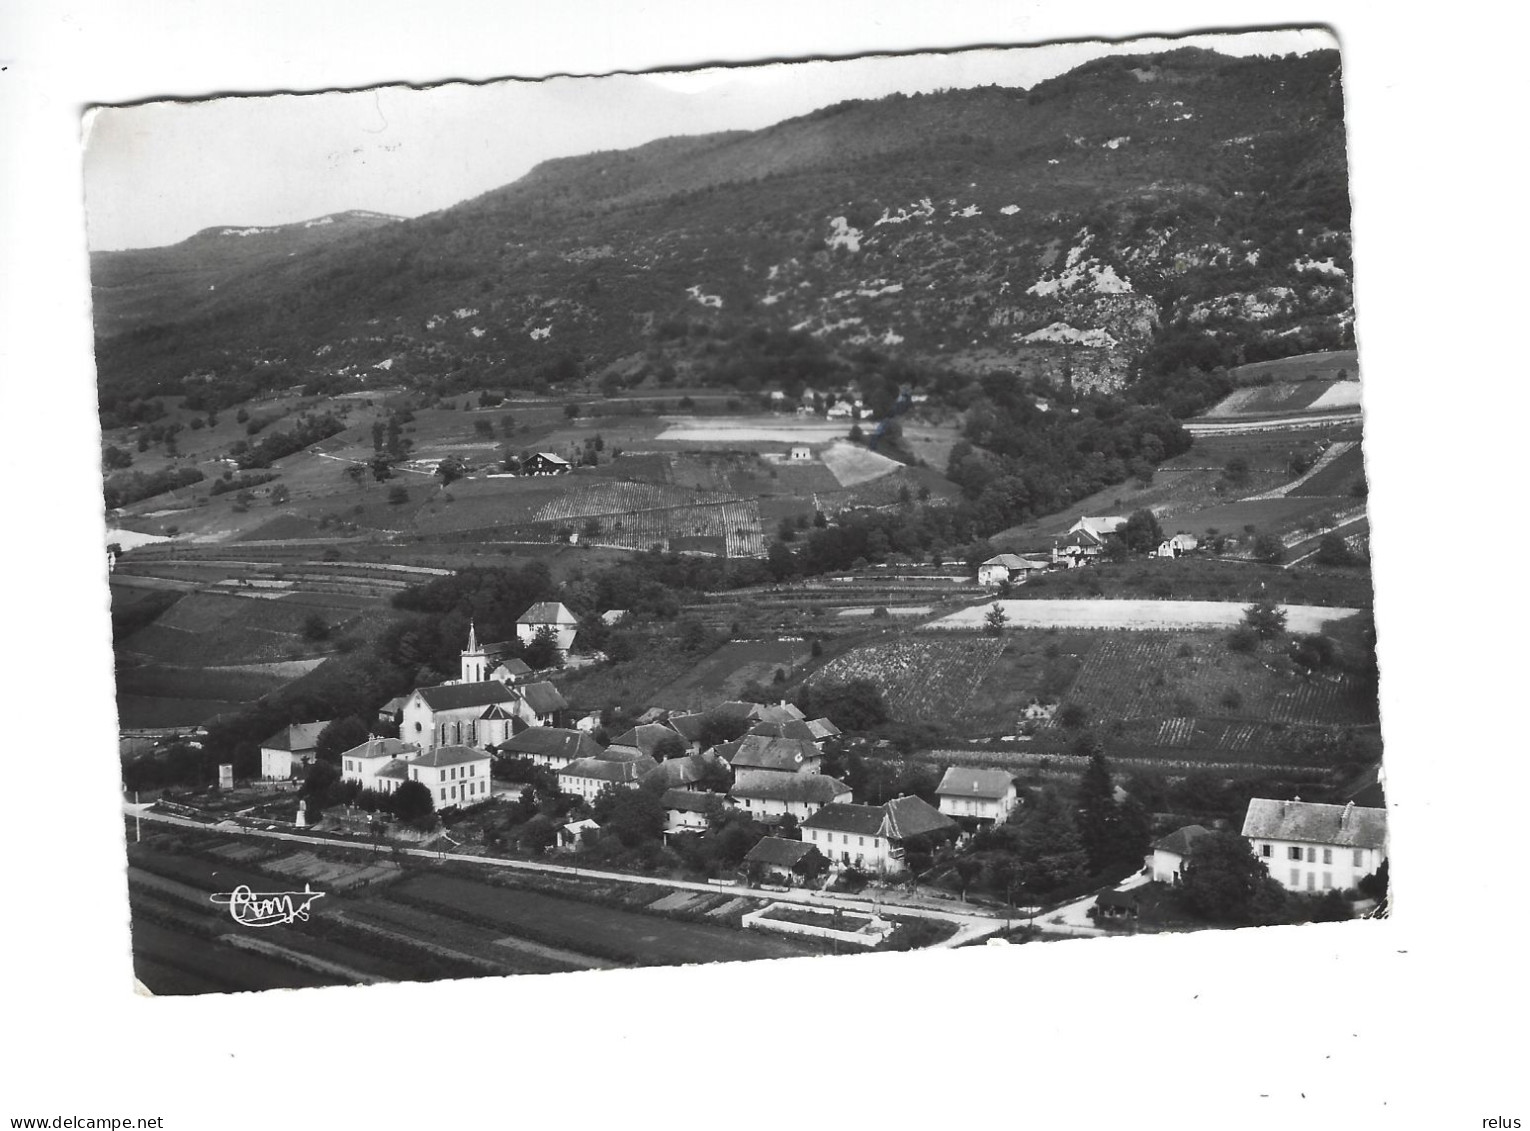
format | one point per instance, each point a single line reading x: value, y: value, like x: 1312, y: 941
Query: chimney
x: 1344, y: 819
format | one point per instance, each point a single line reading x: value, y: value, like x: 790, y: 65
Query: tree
x: 339, y: 736
x: 633, y: 816
x: 398, y: 495
x: 1269, y: 549
x: 1142, y: 534
x: 450, y: 470
x: 1266, y: 619
x: 412, y: 801
x: 571, y: 410
x: 1047, y: 850
x: 543, y: 651
x: 1223, y: 880
x: 669, y: 746
x: 1334, y: 551
x: 315, y: 627
x: 780, y: 561
x: 114, y: 458
x: 995, y: 620
x: 1097, y: 814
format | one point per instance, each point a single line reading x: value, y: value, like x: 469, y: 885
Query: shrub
x: 1242, y: 639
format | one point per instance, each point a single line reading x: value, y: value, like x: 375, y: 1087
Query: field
x: 921, y: 679
x: 384, y: 921
x: 1302, y: 367
x: 1134, y: 615
x: 722, y: 675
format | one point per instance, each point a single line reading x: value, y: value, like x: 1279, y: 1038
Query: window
x: 1327, y: 858
x: 1359, y: 858
x: 443, y: 794
x: 1311, y: 882
x: 1296, y: 878
x: 861, y: 841
x: 1266, y: 850
x: 1293, y: 853
x: 1327, y: 880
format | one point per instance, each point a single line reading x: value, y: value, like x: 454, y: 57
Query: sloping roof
x: 779, y: 851
x: 551, y: 742
x: 780, y: 713
x: 1347, y: 826
x: 1180, y: 841
x: 1103, y: 524
x: 737, y: 709
x: 514, y: 665
x: 296, y: 737
x: 547, y: 612
x: 542, y: 697
x: 393, y: 706
x: 451, y: 756
x: 842, y: 817
x: 960, y: 781
x: 603, y: 769
x: 687, y: 801
x: 687, y: 727
x: 550, y: 458
x: 913, y: 816
x: 382, y: 748
x: 397, y: 768
x: 1015, y: 561
x: 692, y: 768
x: 1113, y: 898
x: 793, y: 728
x: 496, y: 711
x: 645, y: 737
x: 822, y: 728
x: 614, y: 616
x: 766, y: 785
x: 456, y: 696
x: 616, y: 752
x: 757, y: 752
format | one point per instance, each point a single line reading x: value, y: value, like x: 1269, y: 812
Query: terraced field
x: 921, y: 678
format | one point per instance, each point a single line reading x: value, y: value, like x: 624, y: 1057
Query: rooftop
x: 451, y: 756
x: 766, y: 785
x: 1347, y: 826
x: 456, y: 696
x: 959, y: 781
x: 551, y: 742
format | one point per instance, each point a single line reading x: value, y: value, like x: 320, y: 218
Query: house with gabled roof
x: 1078, y: 547
x: 550, y: 747
x: 1166, y: 860
x: 548, y: 614
x: 545, y: 463
x: 688, y: 726
x: 875, y: 838
x: 983, y: 795
x: 455, y: 775
x: 777, y: 755
x: 695, y: 772
x: 586, y: 777
x: 511, y: 670
x: 1177, y: 546
x: 769, y: 796
x: 784, y: 861
x: 540, y: 703
x: 686, y: 812
x: 1312, y: 847
x: 1009, y: 567
x: 289, y: 749
x: 646, y: 737
x: 807, y: 730
x: 364, y: 763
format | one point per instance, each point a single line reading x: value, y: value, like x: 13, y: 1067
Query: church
x: 484, y: 707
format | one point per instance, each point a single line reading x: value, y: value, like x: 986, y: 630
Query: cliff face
x: 1064, y: 231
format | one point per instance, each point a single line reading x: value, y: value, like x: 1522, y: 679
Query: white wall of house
x: 1167, y: 866
x: 587, y: 788
x: 1300, y: 866
x: 526, y: 633
x: 868, y: 853
x: 685, y: 821
x: 984, y: 808
x: 276, y: 763
x: 453, y: 786
x: 775, y: 807
x: 992, y: 575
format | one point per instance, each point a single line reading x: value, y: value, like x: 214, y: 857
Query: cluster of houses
x: 1082, y: 544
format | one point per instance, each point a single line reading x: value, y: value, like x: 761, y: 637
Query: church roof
x: 455, y: 696
x: 543, y: 697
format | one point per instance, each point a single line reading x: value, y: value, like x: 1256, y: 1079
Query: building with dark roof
x: 455, y: 775
x: 1312, y: 847
x: 1166, y: 861
x: 983, y: 795
x: 588, y: 776
x: 778, y: 755
x: 548, y: 614
x: 685, y: 811
x: 768, y: 795
x: 696, y: 772
x: 645, y: 737
x: 875, y: 838
x: 288, y: 749
x: 776, y: 858
x: 552, y: 747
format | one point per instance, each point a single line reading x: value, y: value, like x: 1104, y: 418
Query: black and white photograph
x: 920, y: 505
x: 818, y: 549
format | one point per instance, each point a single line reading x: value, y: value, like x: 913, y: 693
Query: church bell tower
x: 475, y: 661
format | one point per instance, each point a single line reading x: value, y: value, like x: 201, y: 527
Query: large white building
x: 455, y: 775
x: 1312, y: 847
x: 986, y: 795
x: 548, y: 614
x: 873, y: 838
x: 767, y: 794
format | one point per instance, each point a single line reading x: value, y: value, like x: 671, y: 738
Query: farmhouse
x: 1312, y: 847
x: 776, y: 858
x: 986, y: 795
x: 800, y: 453
x: 686, y: 812
x: 455, y: 775
x: 511, y: 670
x: 1008, y: 567
x: 1077, y: 548
x: 770, y: 796
x: 876, y: 837
x: 365, y: 763
x: 289, y: 748
x: 688, y: 727
x: 545, y: 463
x: 548, y: 614
x: 550, y: 747
x: 1166, y: 861
x: 572, y: 835
x: 695, y: 772
x: 645, y: 738
x: 774, y: 755
x: 1177, y: 545
x: 815, y: 731
x: 1108, y: 524
x: 586, y: 777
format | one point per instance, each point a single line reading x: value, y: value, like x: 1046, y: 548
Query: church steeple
x: 475, y: 662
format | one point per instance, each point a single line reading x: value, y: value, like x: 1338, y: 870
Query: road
x: 970, y: 926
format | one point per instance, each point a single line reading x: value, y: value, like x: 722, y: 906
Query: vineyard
x: 619, y: 498
x: 921, y: 679
x: 1179, y: 679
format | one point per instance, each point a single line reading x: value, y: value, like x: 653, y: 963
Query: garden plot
x: 853, y: 465
x: 920, y: 678
x: 1139, y: 615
